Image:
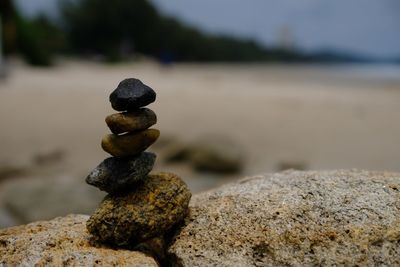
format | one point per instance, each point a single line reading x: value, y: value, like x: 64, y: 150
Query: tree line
x: 119, y: 29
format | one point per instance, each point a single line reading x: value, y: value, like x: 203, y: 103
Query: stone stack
x: 139, y: 206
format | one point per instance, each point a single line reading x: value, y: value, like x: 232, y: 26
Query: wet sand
x: 324, y: 118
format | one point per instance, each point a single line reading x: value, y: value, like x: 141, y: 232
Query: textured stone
x: 118, y: 174
x: 129, y: 144
x: 131, y: 94
x: 346, y: 218
x: 131, y: 121
x: 146, y: 212
x: 63, y: 241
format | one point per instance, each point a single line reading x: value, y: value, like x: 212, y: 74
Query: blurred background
x: 242, y: 89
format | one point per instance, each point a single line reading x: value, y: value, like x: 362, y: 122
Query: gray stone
x: 131, y: 94
x: 63, y: 241
x: 118, y: 174
x: 295, y: 218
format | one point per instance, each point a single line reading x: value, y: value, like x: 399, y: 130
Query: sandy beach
x: 322, y: 117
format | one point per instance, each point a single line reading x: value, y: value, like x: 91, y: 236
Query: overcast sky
x: 369, y: 27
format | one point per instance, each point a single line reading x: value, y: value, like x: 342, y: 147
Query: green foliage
x: 31, y: 39
x: 116, y: 28
x: 30, y: 44
x: 52, y: 38
x: 105, y: 27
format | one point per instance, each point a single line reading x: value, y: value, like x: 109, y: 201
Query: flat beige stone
x: 129, y: 144
x: 131, y: 121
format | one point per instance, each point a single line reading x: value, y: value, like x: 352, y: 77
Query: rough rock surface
x: 131, y: 94
x: 129, y: 144
x: 137, y: 120
x: 118, y: 174
x: 294, y: 218
x: 63, y: 241
x: 158, y: 203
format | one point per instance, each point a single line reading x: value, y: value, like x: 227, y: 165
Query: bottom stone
x: 63, y: 241
x: 150, y: 210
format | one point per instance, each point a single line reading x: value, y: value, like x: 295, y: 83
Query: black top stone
x: 118, y: 174
x: 131, y: 94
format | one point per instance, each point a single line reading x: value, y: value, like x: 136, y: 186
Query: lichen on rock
x: 294, y: 218
x: 63, y: 241
x: 160, y: 202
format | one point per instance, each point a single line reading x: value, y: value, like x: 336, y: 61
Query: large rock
x: 63, y: 241
x: 349, y: 218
